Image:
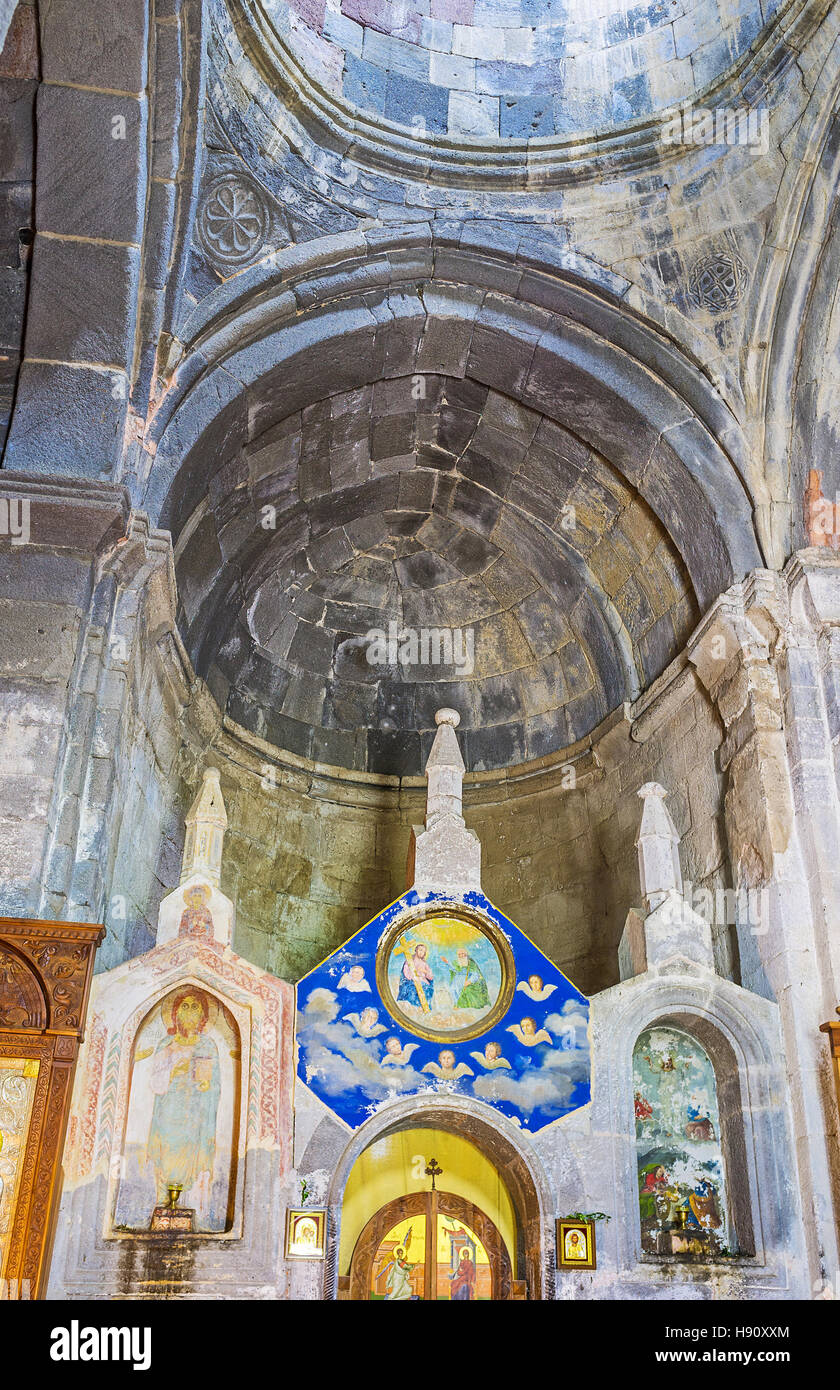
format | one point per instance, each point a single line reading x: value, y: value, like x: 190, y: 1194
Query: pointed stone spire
x: 445, y: 770
x: 669, y: 928
x: 445, y: 855
x: 206, y: 825
x: 658, y: 845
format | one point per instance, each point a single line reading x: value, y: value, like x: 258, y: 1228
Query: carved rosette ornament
x: 717, y: 282
x: 232, y: 221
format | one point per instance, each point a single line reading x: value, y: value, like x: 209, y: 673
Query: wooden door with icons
x: 430, y: 1246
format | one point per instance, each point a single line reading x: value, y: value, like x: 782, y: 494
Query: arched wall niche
x: 740, y: 1032
x: 500, y: 1144
x: 96, y: 1254
x: 388, y: 1169
x: 729, y: 1207
x: 124, y: 1127
x: 183, y: 1115
x: 639, y: 426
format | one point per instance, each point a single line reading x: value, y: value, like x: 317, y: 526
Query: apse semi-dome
x: 514, y: 69
x: 426, y: 541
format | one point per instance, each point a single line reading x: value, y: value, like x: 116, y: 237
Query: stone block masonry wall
x: 19, y: 71
x: 38, y: 652
x: 311, y: 859
x: 679, y: 752
x: 106, y: 732
x: 514, y: 69
x: 90, y: 190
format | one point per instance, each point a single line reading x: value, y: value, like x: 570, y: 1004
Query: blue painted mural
x: 438, y: 994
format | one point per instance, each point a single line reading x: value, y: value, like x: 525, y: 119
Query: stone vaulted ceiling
x: 458, y: 510
x: 513, y: 69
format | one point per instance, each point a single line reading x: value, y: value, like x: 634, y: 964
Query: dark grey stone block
x: 88, y: 182
x: 393, y: 754
x: 523, y: 117
x: 412, y: 103
x: 502, y: 746
x: 17, y: 129
x: 365, y: 84
x: 82, y: 302
x: 474, y: 508
x: 67, y: 420
x: 105, y: 51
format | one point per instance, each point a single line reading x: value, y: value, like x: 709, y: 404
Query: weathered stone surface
x: 81, y: 304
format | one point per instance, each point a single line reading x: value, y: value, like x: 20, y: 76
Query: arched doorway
x: 519, y: 1205
x: 431, y: 1246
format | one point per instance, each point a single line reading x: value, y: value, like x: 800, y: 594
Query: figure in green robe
x: 468, y: 978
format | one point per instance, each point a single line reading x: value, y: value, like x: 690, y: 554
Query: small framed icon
x: 575, y: 1244
x: 306, y: 1235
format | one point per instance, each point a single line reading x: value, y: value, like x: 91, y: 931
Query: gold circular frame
x: 412, y: 922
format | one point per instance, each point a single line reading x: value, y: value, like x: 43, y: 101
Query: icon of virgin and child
x: 444, y: 983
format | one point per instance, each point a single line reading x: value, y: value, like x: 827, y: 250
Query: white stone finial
x: 445, y: 855
x: 206, y: 824
x: 445, y: 771
x: 658, y: 844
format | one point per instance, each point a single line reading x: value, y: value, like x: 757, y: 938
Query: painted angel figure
x: 398, y: 1287
x: 527, y: 1033
x: 446, y: 1070
x: 491, y: 1057
x: 366, y: 1023
x: 397, y: 1055
x: 354, y: 980
x: 536, y: 989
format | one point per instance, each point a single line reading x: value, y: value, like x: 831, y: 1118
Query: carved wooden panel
x: 45, y: 975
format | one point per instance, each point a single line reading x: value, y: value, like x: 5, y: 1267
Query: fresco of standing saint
x: 181, y: 1113
x: 181, y: 1146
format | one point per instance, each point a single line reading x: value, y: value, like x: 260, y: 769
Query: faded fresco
x: 422, y: 1016
x: 682, y: 1198
x: 18, y: 1079
x: 182, y: 1110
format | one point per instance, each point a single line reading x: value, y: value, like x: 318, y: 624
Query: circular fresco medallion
x: 446, y: 976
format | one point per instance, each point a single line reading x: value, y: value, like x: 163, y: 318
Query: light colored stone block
x: 473, y: 115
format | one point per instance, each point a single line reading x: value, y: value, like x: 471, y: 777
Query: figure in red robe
x: 463, y: 1280
x: 196, y: 919
x: 644, y: 1109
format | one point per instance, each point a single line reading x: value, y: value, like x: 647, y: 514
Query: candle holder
x: 169, y: 1216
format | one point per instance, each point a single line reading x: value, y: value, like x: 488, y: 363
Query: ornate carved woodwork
x: 832, y: 1028
x: 431, y: 1205
x: 45, y: 976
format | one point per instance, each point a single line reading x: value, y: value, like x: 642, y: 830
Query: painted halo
x: 446, y: 975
